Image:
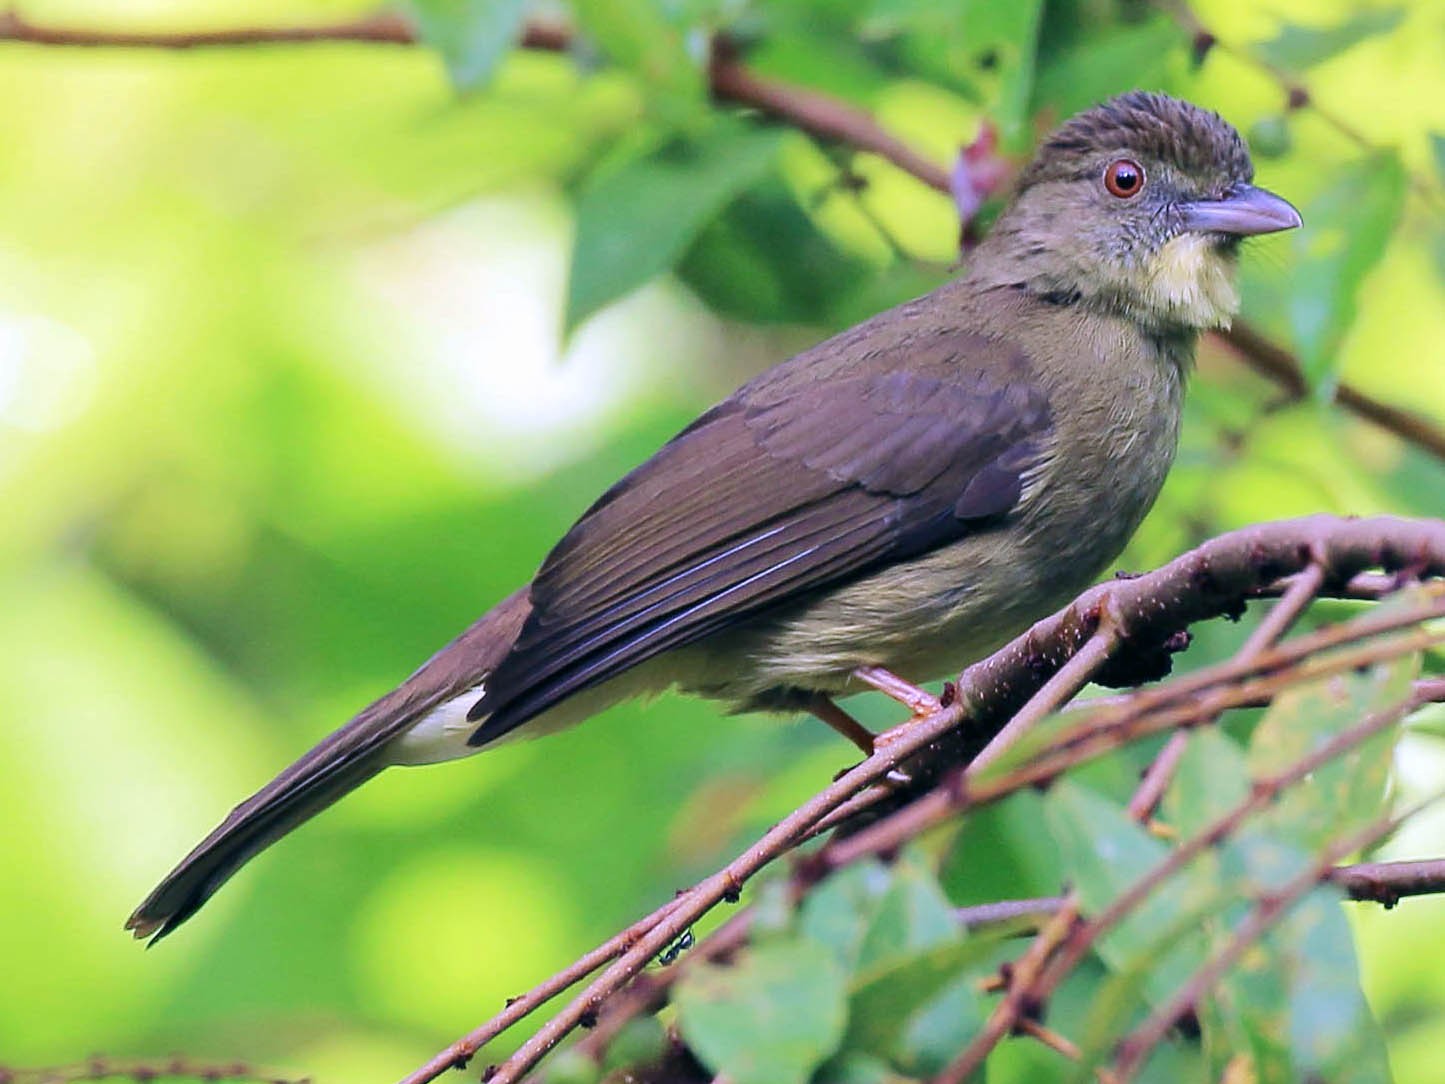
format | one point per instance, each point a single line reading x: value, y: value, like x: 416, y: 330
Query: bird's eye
x: 1124, y: 178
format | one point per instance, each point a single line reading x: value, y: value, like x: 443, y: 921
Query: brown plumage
x: 905, y: 495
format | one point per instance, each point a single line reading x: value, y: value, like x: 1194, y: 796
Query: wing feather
x: 802, y: 479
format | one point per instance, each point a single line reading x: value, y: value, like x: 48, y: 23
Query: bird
x: 878, y: 510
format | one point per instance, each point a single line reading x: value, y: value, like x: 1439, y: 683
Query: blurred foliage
x: 286, y: 398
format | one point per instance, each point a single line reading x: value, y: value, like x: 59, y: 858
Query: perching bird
x: 900, y: 499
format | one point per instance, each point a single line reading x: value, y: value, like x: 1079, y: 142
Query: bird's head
x: 1136, y: 206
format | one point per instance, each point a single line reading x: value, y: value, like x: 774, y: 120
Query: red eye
x: 1124, y: 178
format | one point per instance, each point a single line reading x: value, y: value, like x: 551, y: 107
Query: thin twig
x: 1014, y: 1005
x: 1262, y: 793
x: 1135, y: 1048
x: 1286, y: 611
x: 464, y: 1049
x: 1301, y: 592
x: 1149, y: 714
x: 726, y: 884
x: 1066, y: 683
x: 1061, y: 1044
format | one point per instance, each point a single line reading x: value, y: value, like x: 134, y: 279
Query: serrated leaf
x: 1299, y: 47
x: 772, y: 1017
x: 1105, y: 852
x: 637, y: 219
x: 1347, y: 227
x: 472, y: 36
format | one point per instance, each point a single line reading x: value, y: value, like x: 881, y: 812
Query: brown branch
x: 820, y: 115
x: 1063, y: 686
x: 1279, y: 365
x: 177, y: 1067
x: 1387, y: 883
x: 459, y: 1053
x: 1146, y: 716
x: 1014, y: 1005
x: 1061, y: 1044
x: 382, y: 28
x: 1149, y: 609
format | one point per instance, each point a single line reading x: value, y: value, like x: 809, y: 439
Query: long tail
x: 295, y: 796
x: 342, y: 762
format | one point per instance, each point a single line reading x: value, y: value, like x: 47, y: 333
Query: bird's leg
x: 823, y: 709
x: 919, y: 702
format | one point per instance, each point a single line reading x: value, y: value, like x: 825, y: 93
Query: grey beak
x: 1244, y: 212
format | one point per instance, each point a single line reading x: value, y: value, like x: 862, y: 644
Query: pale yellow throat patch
x: 1190, y: 279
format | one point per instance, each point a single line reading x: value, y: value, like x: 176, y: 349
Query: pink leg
x: 824, y: 710
x: 918, y: 701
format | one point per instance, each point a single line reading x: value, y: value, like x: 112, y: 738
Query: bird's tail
x: 306, y: 788
x: 340, y: 763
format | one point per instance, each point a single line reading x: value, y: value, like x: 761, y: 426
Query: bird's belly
x: 930, y: 617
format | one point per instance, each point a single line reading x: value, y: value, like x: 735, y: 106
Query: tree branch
x: 1145, y: 611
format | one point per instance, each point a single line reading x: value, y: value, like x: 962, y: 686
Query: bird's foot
x: 823, y: 709
x: 919, y: 702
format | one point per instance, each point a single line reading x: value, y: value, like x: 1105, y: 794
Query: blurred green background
x: 285, y: 401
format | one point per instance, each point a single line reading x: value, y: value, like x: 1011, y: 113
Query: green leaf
x: 1209, y: 780
x: 1348, y: 792
x: 765, y: 260
x: 1346, y: 229
x: 641, y: 1041
x: 910, y: 916
x: 1294, y: 1003
x: 912, y: 1008
x: 637, y: 35
x: 635, y: 220
x: 1105, y: 852
x: 1000, y: 853
x: 1437, y: 145
x: 771, y: 1018
x: 471, y: 35
x: 1009, y: 32
x: 837, y: 913
x: 1299, y: 47
x: 1102, y: 65
x: 855, y: 1068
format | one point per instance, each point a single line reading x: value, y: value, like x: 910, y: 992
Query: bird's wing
x: 804, y: 478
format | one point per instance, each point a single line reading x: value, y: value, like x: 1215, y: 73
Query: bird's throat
x: 1190, y: 281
